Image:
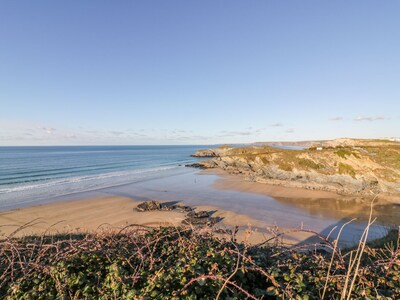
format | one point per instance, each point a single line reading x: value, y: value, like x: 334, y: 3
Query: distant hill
x: 295, y: 143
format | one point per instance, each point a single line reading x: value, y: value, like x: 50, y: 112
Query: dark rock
x: 196, y: 165
x: 148, y: 206
x: 180, y: 208
x: 183, y: 208
x: 155, y: 205
x: 202, y: 221
x: 168, y: 207
x: 198, y: 215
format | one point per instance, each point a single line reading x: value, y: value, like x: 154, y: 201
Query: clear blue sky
x: 197, y: 72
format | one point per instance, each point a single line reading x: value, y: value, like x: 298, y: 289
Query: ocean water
x: 32, y: 174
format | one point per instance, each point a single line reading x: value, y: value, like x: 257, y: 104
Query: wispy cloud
x: 369, y: 119
x: 336, y: 119
x: 291, y: 130
x: 71, y: 136
x: 187, y: 137
x: 48, y: 130
x: 92, y: 131
x: 276, y: 125
x: 226, y: 133
x: 180, y: 131
x: 232, y: 134
x: 118, y: 133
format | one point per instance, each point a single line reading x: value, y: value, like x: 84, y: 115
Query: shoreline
x: 329, y: 203
x: 113, y: 212
x: 259, y: 207
x: 238, y: 182
x: 232, y: 182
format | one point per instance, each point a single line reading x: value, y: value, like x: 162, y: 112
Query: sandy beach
x: 107, y: 213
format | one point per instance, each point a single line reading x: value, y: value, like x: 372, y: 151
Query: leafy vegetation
x: 343, y: 153
x: 346, y: 169
x: 285, y: 166
x: 181, y: 263
x: 308, y: 163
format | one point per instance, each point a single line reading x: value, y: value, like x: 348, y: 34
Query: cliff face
x: 216, y: 152
x: 344, y: 166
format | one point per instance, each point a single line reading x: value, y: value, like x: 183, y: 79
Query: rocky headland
x: 344, y: 166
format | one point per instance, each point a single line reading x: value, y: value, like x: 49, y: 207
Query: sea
x: 29, y: 175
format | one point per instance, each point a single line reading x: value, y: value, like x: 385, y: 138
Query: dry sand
x: 116, y: 213
x: 82, y: 215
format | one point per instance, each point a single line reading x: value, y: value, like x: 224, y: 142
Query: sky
x: 197, y: 72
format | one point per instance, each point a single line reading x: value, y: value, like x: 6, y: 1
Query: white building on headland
x: 393, y: 139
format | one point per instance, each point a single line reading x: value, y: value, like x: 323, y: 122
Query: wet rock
x: 196, y: 165
x: 183, y: 208
x: 168, y: 207
x: 148, y: 206
x: 179, y: 208
x: 205, y: 164
x: 198, y: 215
x: 202, y: 221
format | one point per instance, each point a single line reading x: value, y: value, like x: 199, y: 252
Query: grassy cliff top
x: 354, y: 157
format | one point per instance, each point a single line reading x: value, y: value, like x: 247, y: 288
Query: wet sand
x: 315, y: 202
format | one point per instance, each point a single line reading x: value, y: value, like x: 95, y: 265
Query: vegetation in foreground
x: 183, y: 263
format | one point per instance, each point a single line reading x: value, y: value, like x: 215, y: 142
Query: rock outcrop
x: 220, y: 151
x: 155, y: 205
x: 193, y: 217
x: 345, y: 166
x: 149, y: 206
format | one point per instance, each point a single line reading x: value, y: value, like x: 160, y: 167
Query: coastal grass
x: 344, y: 153
x: 138, y: 262
x: 308, y: 163
x: 346, y: 169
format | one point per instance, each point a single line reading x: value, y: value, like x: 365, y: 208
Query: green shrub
x: 309, y: 164
x: 347, y: 169
x: 285, y: 166
x: 343, y: 153
x: 178, y: 263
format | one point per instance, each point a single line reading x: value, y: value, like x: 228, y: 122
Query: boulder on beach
x: 155, y: 205
x: 148, y: 206
x: 200, y: 214
x: 183, y: 208
x: 202, y: 221
x: 179, y: 208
